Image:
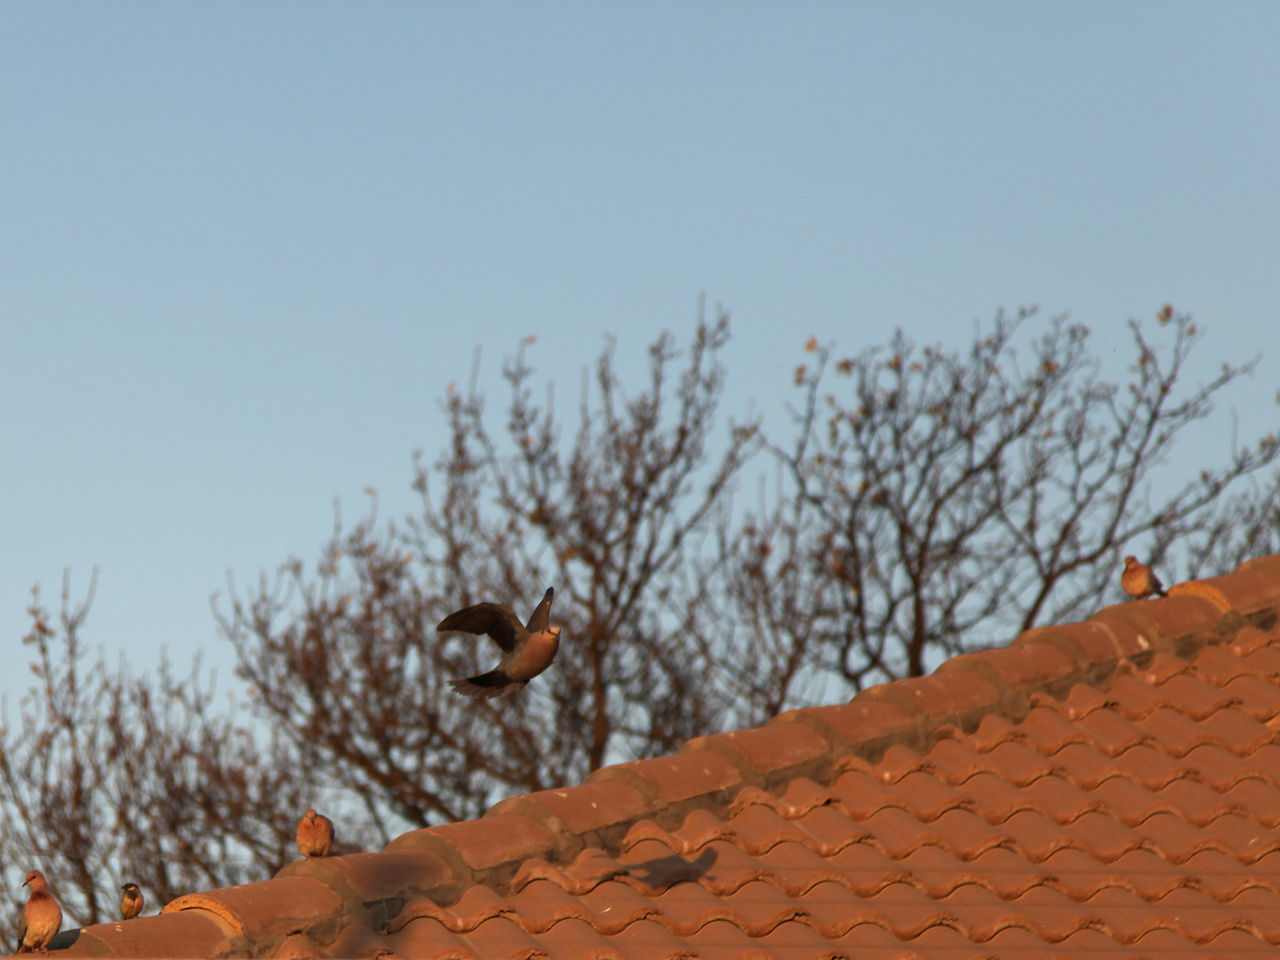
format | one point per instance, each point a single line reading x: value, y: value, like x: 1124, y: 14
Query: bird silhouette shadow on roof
x: 664, y: 872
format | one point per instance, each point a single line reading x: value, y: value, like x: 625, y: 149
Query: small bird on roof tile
x: 314, y: 834
x: 1138, y: 580
x: 527, y: 649
x: 130, y: 901
x: 41, y: 917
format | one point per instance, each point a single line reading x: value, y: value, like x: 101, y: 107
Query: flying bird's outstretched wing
x: 494, y: 619
x: 540, y: 619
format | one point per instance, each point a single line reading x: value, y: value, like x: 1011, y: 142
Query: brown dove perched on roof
x: 527, y: 649
x: 41, y: 917
x: 314, y: 834
x: 130, y: 901
x: 1138, y: 580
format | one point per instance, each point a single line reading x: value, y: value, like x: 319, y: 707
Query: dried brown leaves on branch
x: 921, y: 502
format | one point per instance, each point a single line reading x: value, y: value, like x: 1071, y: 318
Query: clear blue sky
x: 246, y: 246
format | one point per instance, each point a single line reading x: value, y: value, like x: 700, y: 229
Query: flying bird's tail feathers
x: 495, y: 683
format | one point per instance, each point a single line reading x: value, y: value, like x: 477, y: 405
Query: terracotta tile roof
x: 1108, y: 788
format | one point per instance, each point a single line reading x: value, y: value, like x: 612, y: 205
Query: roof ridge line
x: 1052, y: 659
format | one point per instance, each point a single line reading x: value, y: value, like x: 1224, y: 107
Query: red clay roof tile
x: 648, y: 938
x: 166, y: 934
x: 373, y: 877
x: 359, y: 940
x: 1246, y: 591
x: 1109, y: 788
x: 274, y: 907
x: 502, y: 937
x: 678, y: 783
x: 866, y: 726
x: 1028, y: 665
x: 1096, y: 649
x: 775, y: 754
x: 499, y: 840
x: 959, y: 697
x: 594, y: 812
x: 1257, y: 697
x: 297, y: 946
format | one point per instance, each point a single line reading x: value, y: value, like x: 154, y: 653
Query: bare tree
x: 111, y: 778
x: 935, y: 502
x: 347, y: 662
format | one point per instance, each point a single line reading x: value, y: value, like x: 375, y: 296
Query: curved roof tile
x: 1109, y: 787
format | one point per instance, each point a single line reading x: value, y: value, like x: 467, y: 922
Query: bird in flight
x: 527, y: 649
x: 1138, y: 580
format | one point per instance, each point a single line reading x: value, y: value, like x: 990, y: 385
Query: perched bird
x: 526, y: 650
x: 1138, y: 580
x: 314, y: 834
x: 130, y: 901
x: 41, y: 917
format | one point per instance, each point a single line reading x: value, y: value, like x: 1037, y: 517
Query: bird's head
x: 1130, y: 562
x: 35, y: 880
